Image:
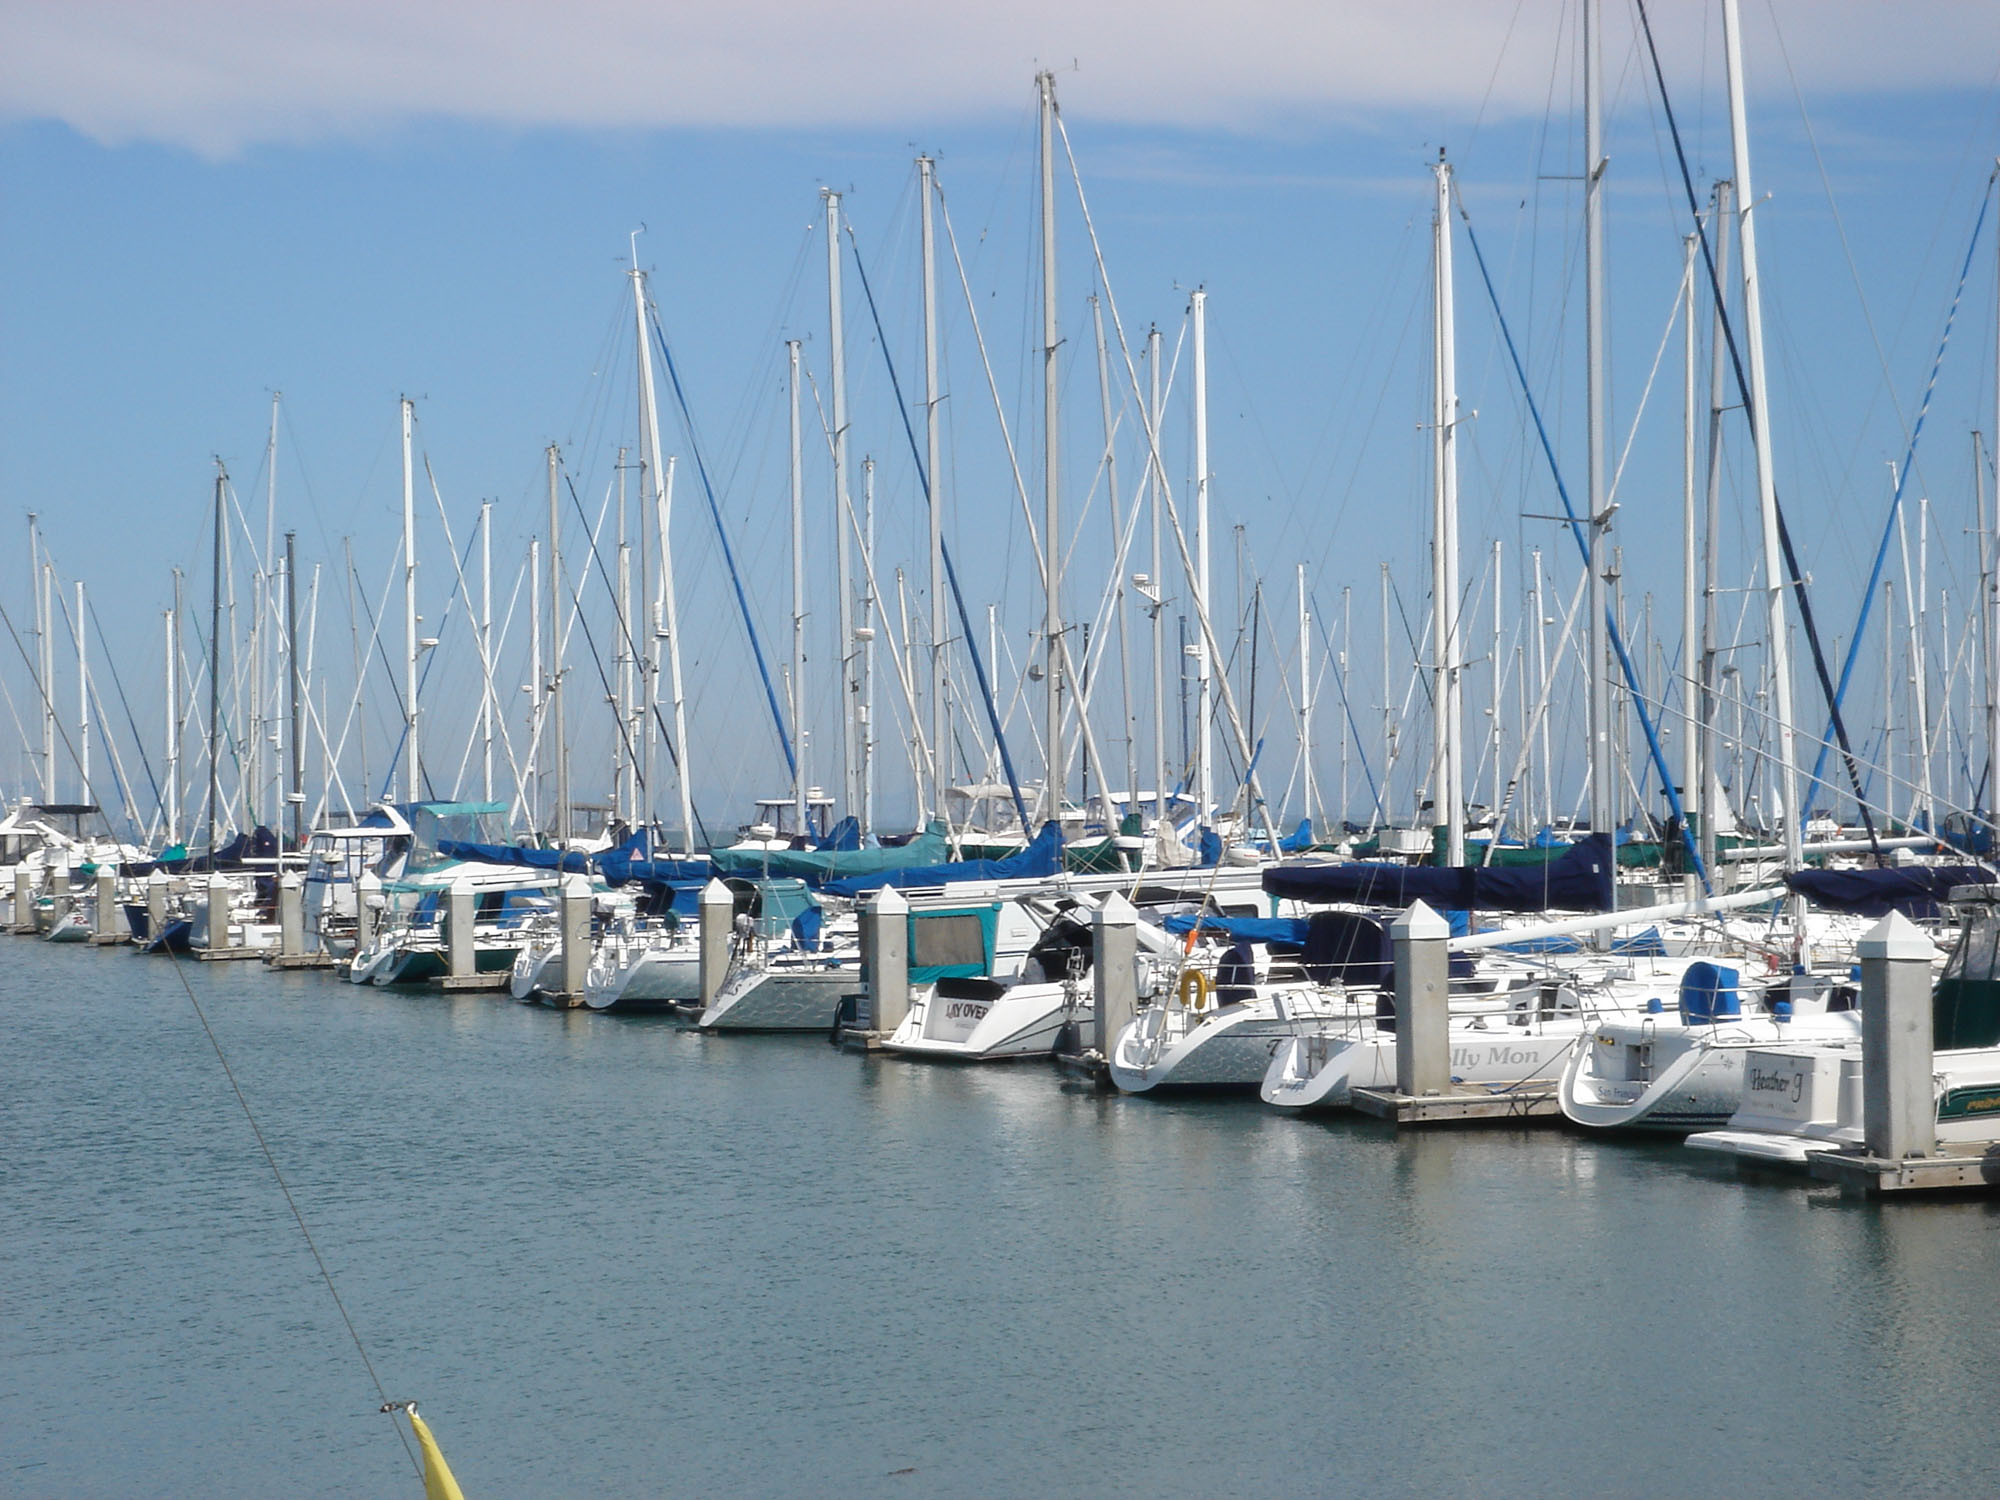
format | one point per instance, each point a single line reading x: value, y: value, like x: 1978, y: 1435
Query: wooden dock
x: 488, y: 980
x: 301, y: 960
x: 1531, y: 1103
x: 1971, y: 1167
x: 226, y: 955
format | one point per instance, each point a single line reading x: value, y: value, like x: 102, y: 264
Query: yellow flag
x: 438, y: 1483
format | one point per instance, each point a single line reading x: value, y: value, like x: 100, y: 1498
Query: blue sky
x: 171, y: 259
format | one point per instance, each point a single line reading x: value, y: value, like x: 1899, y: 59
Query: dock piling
x: 291, y: 915
x: 24, y: 899
x: 215, y: 912
x: 718, y: 910
x: 1114, y: 955
x: 1899, y: 1113
x: 459, y: 908
x: 157, y: 885
x: 575, y: 956
x: 1423, y: 1046
x: 104, y: 929
x: 885, y: 950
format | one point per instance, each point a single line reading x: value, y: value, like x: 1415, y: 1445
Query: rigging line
x: 992, y: 384
x: 950, y: 566
x: 94, y: 708
x: 1576, y: 525
x: 666, y: 735
x: 722, y: 535
x: 271, y: 1161
x: 1743, y: 391
x: 430, y: 660
x: 1903, y: 472
x: 111, y: 661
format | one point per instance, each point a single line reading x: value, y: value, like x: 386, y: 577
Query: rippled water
x: 616, y: 1257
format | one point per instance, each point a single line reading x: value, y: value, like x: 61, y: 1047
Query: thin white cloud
x: 220, y: 75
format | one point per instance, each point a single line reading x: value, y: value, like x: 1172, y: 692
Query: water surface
x: 613, y: 1256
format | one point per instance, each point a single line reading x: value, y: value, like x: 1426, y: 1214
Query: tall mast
x: 1691, y: 746
x: 667, y: 608
x: 1760, y: 420
x: 486, y: 650
x: 296, y: 672
x: 1051, y: 500
x: 536, y: 685
x: 621, y: 657
x: 82, y: 700
x: 263, y: 686
x: 1346, y: 719
x: 1547, y: 814
x: 1991, y: 603
x: 1204, y: 685
x: 865, y: 634
x: 38, y: 581
x: 1117, y: 543
x: 412, y: 763
x: 1711, y: 560
x: 215, y: 663
x: 1603, y: 798
x: 172, y: 809
x: 1158, y: 581
x: 1499, y: 631
x: 1305, y: 697
x: 556, y: 653
x: 934, y: 488
x: 850, y: 686
x: 798, y: 683
x: 1450, y: 720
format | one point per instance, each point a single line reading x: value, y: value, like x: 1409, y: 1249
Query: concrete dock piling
x: 215, y: 913
x: 460, y: 904
x: 885, y: 950
x: 108, y: 926
x: 717, y: 911
x: 24, y: 899
x: 1114, y: 956
x: 157, y: 885
x: 291, y: 915
x: 1899, y: 1151
x: 1898, y: 1112
x: 1423, y: 1015
x: 574, y: 960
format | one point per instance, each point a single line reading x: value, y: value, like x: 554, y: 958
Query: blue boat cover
x: 846, y: 836
x: 1247, y: 929
x: 1209, y: 851
x: 1647, y: 944
x: 1041, y: 858
x: 1579, y: 880
x: 835, y: 861
x: 1914, y: 890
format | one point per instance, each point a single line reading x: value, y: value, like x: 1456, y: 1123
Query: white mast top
x: 1449, y: 710
x: 1760, y: 417
x: 412, y: 772
x: 1051, y: 509
x: 1603, y: 790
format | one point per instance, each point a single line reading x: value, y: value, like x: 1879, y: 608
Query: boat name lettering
x: 1499, y: 1056
x: 966, y: 1010
x: 1792, y: 1083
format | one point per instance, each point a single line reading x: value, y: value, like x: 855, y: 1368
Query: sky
x: 350, y: 203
